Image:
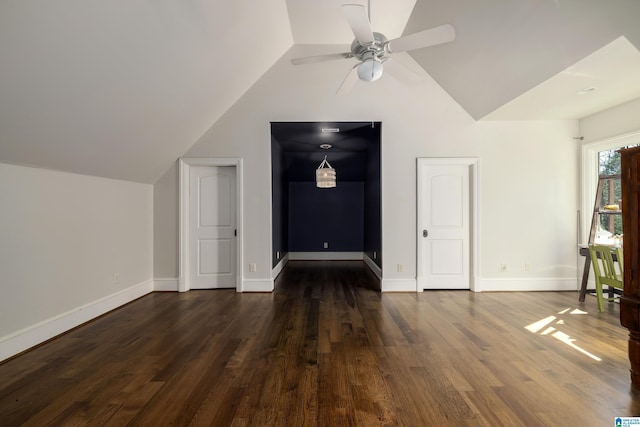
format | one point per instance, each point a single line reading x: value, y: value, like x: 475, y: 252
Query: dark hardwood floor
x: 326, y: 349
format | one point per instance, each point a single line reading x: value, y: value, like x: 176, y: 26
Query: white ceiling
x: 322, y: 22
x: 121, y: 89
x: 505, y: 48
x: 608, y: 77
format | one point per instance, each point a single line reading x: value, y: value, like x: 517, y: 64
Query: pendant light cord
x: 324, y: 164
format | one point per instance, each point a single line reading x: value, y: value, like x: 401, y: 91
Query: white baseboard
x: 373, y: 266
x: 527, y: 284
x: 248, y: 285
x: 257, y: 285
x: 279, y: 267
x: 165, y: 285
x: 325, y: 256
x: 31, y: 336
x: 399, y: 285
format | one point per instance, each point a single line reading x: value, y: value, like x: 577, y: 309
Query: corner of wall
x: 527, y: 284
x: 165, y: 285
x: 399, y: 285
x: 372, y: 266
x: 33, y: 335
x: 258, y: 285
x: 275, y: 272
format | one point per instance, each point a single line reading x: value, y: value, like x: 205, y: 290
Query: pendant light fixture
x: 325, y: 174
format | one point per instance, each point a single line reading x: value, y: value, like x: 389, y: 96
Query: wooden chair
x: 605, y: 272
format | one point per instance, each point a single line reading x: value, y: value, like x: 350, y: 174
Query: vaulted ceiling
x: 121, y: 89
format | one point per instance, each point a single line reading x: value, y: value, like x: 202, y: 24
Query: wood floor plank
x: 327, y: 349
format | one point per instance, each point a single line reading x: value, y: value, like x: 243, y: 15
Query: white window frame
x: 590, y: 171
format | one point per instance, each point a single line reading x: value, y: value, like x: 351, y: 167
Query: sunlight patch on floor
x: 544, y: 325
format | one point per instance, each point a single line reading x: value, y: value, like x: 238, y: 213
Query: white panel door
x: 443, y: 226
x: 212, y: 227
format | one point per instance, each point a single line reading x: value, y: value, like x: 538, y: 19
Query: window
x: 609, y: 175
x: 609, y: 162
x: 601, y: 158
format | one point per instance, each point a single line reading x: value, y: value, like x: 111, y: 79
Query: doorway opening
x: 339, y: 223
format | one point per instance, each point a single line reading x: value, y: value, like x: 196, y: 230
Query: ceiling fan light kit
x: 374, y: 49
x: 370, y: 70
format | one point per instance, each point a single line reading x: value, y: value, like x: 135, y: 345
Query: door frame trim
x: 184, y: 167
x: 473, y: 164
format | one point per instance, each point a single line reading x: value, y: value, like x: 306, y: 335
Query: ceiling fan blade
x: 349, y: 82
x: 359, y: 23
x: 320, y: 58
x: 402, y: 72
x: 431, y: 37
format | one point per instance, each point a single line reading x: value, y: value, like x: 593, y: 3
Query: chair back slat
x: 604, y: 268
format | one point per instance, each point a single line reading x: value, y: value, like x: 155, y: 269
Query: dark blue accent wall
x: 373, y: 203
x: 319, y: 215
x: 279, y: 205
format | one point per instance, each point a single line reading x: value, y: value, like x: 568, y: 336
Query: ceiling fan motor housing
x: 371, y: 56
x: 377, y: 48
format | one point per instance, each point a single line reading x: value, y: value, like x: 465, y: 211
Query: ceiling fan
x: 374, y: 49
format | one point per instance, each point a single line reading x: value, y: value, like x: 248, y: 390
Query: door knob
x: 425, y: 233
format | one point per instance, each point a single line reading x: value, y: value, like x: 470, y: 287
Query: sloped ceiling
x: 121, y: 89
x: 506, y: 48
x: 608, y: 77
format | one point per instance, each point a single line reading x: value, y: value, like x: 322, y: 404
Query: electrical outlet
x: 527, y: 267
x: 503, y: 267
x: 326, y: 245
x: 116, y: 279
x: 400, y: 268
x: 252, y: 268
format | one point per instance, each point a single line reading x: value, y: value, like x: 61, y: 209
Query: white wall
x: 420, y: 121
x: 165, y: 212
x: 529, y: 200
x: 64, y: 238
x: 616, y: 121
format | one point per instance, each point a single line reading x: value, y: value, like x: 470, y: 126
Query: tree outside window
x: 609, y: 166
